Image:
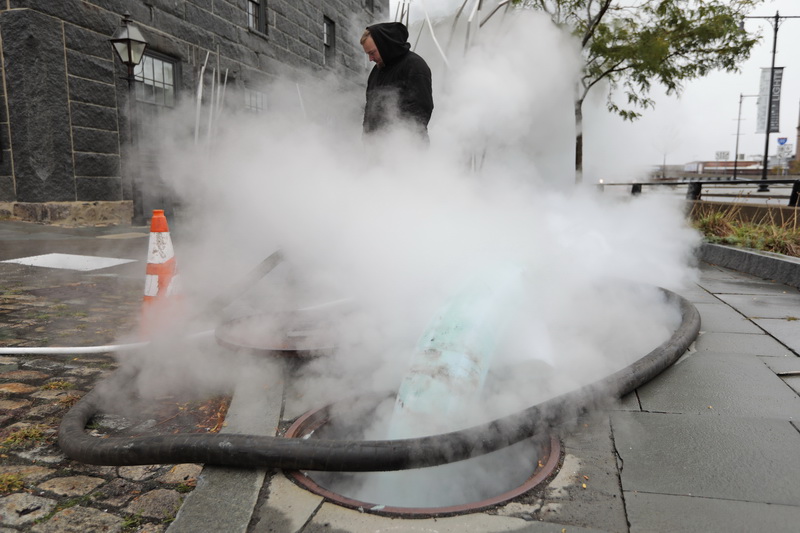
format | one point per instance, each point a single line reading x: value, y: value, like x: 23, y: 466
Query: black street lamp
x: 776, y: 22
x: 130, y: 44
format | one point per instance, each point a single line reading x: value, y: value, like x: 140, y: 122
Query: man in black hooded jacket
x: 399, y: 86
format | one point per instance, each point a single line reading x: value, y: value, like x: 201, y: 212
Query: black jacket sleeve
x: 417, y: 100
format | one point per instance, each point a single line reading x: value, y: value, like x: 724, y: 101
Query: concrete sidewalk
x: 709, y: 445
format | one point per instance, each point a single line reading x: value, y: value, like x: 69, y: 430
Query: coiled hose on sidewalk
x: 367, y: 456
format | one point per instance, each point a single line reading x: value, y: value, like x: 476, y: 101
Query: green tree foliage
x: 633, y: 44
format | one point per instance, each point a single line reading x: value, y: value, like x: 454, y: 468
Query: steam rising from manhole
x: 463, y: 486
x: 279, y: 334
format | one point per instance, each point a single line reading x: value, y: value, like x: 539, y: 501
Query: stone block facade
x: 65, y: 98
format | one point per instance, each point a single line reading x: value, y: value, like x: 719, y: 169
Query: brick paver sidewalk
x: 40, y: 489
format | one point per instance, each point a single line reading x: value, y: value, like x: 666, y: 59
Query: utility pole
x: 738, y: 127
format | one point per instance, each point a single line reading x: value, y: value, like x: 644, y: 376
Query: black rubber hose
x: 368, y: 456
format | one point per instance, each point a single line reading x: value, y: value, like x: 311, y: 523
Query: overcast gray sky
x: 703, y: 120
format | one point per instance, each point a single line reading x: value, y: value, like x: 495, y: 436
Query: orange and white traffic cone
x: 161, y: 280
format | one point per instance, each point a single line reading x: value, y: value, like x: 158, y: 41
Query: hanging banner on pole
x: 761, y: 103
x: 774, y: 101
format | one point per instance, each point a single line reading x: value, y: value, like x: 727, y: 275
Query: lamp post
x: 775, y: 21
x: 130, y: 44
x: 738, y: 125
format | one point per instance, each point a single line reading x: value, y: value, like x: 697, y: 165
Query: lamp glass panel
x: 137, y: 50
x: 122, y: 51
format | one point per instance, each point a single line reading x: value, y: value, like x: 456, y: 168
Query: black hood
x: 391, y: 39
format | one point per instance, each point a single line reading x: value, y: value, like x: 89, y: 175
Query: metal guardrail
x: 695, y: 187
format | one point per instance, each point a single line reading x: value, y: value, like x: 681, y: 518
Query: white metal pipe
x: 302, y: 104
x: 469, y: 28
x: 73, y: 350
x: 66, y: 350
x: 433, y: 35
x: 421, y: 29
x: 495, y: 10
x: 221, y: 94
x: 211, y: 104
x: 199, y: 99
x: 327, y: 305
x: 455, y: 23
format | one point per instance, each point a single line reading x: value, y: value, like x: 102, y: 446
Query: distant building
x: 776, y: 165
x: 723, y: 167
x: 64, y: 93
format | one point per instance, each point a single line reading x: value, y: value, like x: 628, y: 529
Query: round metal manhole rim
x: 311, y: 420
x: 300, y: 348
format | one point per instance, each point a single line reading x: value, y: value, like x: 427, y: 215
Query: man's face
x: 372, y: 52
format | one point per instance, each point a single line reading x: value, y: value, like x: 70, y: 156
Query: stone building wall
x: 64, y: 134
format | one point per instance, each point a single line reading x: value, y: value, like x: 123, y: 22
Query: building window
x: 155, y: 80
x: 256, y: 15
x: 254, y: 101
x: 328, y: 41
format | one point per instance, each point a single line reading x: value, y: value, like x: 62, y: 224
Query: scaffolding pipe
x: 211, y: 104
x: 455, y: 22
x: 221, y: 94
x: 300, y: 97
x: 433, y: 35
x: 495, y: 10
x: 199, y: 104
x: 469, y: 25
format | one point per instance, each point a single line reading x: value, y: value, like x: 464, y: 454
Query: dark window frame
x: 255, y: 101
x: 328, y: 41
x: 141, y: 85
x: 257, y: 16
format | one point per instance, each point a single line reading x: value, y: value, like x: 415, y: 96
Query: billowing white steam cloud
x: 396, y: 228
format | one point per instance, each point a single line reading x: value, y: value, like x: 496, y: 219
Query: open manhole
x: 460, y: 487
